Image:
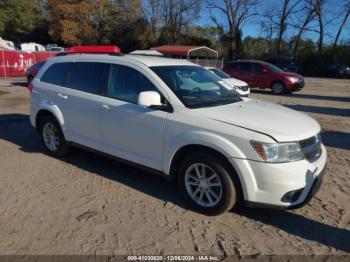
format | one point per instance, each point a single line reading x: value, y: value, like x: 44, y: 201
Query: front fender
x: 213, y: 141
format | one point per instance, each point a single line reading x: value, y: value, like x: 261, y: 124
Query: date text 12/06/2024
x: 173, y: 258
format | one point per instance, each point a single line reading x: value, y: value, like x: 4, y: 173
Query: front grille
x: 301, y: 82
x: 312, y: 148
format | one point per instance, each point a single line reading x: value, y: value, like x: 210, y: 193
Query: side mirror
x: 149, y: 98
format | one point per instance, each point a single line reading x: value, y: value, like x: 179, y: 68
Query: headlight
x: 278, y: 153
x: 292, y: 79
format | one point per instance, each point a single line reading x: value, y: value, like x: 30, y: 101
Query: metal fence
x: 219, y: 63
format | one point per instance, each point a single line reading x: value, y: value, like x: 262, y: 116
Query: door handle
x: 107, y: 107
x: 62, y: 96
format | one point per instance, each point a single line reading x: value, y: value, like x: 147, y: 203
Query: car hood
x: 234, y: 82
x: 279, y: 122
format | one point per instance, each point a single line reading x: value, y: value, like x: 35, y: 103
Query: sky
x: 252, y: 28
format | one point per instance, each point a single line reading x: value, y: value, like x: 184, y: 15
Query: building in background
x: 200, y: 55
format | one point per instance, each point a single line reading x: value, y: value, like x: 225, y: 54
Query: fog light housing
x: 292, y: 196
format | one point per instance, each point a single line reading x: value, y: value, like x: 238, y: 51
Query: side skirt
x: 124, y: 161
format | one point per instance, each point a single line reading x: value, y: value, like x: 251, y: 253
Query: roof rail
x: 109, y: 50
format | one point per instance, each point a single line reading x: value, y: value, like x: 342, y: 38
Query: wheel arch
x: 277, y: 81
x: 48, y: 109
x: 185, y: 150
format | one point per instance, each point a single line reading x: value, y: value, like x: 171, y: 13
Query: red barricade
x: 15, y: 63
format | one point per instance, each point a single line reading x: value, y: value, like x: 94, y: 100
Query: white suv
x: 176, y: 119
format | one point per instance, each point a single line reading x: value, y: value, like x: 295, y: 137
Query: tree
x: 343, y: 23
x: 176, y: 16
x: 92, y: 22
x: 71, y: 22
x: 255, y: 48
x: 153, y: 12
x: 309, y: 15
x: 288, y: 8
x: 18, y: 18
x: 268, y: 28
x: 236, y: 13
x: 319, y: 10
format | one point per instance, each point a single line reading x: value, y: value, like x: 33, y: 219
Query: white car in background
x: 240, y: 86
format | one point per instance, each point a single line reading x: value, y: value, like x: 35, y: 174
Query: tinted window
x: 245, y: 67
x: 126, y: 83
x: 87, y: 77
x: 257, y: 68
x: 235, y: 66
x: 232, y: 65
x: 56, y: 74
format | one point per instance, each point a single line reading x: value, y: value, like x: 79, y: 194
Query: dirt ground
x: 88, y: 204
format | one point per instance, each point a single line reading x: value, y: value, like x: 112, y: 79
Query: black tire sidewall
x: 229, y: 192
x: 281, y: 83
x: 63, y: 146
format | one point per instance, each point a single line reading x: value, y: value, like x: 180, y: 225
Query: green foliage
x: 18, y: 18
x: 255, y: 48
x: 131, y: 25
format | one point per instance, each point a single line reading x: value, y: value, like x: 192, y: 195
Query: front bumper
x: 243, y: 91
x: 296, y: 86
x: 266, y: 184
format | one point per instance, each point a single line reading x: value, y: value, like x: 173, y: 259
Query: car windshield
x: 274, y: 68
x: 195, y: 86
x: 219, y: 73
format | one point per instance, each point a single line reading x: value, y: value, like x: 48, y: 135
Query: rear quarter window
x: 56, y: 74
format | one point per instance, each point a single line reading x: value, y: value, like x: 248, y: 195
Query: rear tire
x: 205, y: 183
x: 52, y: 136
x: 278, y: 88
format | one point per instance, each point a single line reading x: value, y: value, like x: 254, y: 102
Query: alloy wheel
x: 51, y: 136
x: 278, y: 88
x: 203, y: 185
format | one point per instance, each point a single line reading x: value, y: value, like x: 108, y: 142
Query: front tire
x: 205, y: 182
x: 52, y: 137
x: 278, y: 88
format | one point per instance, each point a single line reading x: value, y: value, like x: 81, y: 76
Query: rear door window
x: 246, y: 67
x: 234, y: 66
x: 56, y: 74
x: 257, y: 68
x: 88, y: 77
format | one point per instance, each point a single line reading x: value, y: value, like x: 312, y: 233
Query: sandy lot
x: 88, y: 204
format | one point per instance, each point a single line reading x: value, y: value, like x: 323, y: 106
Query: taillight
x: 30, y: 87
